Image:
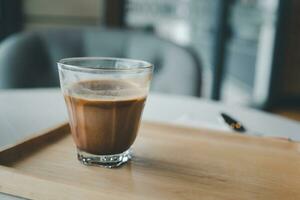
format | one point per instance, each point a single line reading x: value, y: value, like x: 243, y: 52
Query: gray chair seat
x: 29, y: 59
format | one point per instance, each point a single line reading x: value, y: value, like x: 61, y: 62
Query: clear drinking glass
x: 105, y: 98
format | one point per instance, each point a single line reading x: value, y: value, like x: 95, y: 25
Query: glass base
x: 109, y: 161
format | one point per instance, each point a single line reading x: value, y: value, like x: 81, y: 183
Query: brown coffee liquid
x: 104, y: 115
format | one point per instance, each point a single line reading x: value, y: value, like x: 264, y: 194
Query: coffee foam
x: 106, y: 90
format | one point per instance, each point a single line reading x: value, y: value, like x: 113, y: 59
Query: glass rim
x: 64, y: 64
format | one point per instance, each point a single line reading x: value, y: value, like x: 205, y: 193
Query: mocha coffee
x: 104, y: 115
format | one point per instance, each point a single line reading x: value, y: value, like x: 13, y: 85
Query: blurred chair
x: 29, y: 59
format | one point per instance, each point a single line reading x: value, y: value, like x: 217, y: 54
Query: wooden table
x: 169, y: 162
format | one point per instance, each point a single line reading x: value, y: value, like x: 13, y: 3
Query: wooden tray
x: 169, y: 162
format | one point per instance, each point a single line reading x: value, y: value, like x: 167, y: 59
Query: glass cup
x: 105, y: 98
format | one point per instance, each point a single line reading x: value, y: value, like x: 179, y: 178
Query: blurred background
x: 241, y: 52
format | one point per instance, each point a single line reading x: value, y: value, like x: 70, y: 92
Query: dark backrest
x: 29, y: 59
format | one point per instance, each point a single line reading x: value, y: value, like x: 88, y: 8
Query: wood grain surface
x: 169, y: 162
